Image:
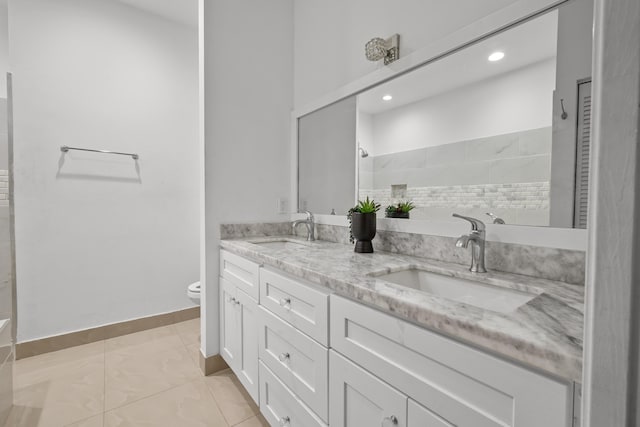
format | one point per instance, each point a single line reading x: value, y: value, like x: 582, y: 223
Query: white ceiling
x: 182, y: 11
x: 523, y: 45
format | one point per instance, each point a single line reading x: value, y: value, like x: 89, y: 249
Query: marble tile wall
x: 547, y: 263
x: 510, y: 158
x: 236, y: 231
x: 517, y: 203
x: 505, y: 174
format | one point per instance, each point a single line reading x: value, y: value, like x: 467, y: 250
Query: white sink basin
x: 281, y: 244
x: 502, y: 300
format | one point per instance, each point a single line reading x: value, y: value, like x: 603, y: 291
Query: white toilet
x: 193, y: 292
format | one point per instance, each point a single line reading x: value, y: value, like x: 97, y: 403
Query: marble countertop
x: 545, y: 333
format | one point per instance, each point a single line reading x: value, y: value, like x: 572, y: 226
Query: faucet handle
x: 309, y: 215
x: 476, y: 224
x: 496, y: 219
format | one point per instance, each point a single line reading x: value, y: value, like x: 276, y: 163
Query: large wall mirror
x: 481, y: 131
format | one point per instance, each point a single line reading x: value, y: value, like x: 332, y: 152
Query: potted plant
x: 362, y: 225
x: 401, y: 210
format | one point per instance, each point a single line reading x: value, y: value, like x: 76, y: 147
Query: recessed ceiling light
x: 387, y: 98
x: 496, y: 56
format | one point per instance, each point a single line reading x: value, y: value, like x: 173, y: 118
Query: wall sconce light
x: 379, y: 48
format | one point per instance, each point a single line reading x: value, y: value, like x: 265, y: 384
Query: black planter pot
x: 363, y: 228
x: 404, y: 215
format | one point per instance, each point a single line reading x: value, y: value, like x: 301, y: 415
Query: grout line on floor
x: 76, y: 421
x: 186, y: 346
x: 237, y: 424
x: 149, y: 396
x: 217, y: 404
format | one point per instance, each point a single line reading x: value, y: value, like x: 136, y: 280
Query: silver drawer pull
x: 391, y: 419
x: 284, y: 421
x: 285, y: 302
x: 284, y: 356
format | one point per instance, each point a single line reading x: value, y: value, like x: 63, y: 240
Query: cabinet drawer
x: 463, y: 385
x: 302, y: 306
x: 359, y: 399
x: 280, y: 406
x: 241, y: 272
x: 298, y: 361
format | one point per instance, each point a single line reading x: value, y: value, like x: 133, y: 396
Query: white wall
x: 511, y: 102
x: 247, y: 77
x: 4, y: 47
x: 101, y: 238
x: 330, y: 35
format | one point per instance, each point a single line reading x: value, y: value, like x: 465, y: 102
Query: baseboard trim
x: 87, y: 336
x: 212, y: 364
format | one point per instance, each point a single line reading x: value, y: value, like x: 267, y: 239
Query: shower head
x: 363, y: 152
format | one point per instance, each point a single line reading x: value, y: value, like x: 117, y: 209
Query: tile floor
x: 149, y: 378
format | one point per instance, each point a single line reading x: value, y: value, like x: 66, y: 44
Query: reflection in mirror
x: 327, y: 159
x: 480, y: 132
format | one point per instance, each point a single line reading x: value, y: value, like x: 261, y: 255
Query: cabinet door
x: 468, y: 387
x: 357, y: 398
x: 230, y: 343
x: 419, y: 416
x: 247, y: 363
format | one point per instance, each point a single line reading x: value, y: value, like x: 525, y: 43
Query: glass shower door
x: 6, y: 268
x: 7, y: 279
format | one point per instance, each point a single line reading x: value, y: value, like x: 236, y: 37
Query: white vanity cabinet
x: 312, y: 358
x: 448, y: 382
x: 239, y: 323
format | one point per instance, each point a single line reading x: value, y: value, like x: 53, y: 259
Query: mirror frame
x: 500, y: 21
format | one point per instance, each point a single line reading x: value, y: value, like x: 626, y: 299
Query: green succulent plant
x: 368, y: 206
x: 402, y: 207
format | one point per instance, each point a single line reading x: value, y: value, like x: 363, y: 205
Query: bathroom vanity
x: 322, y: 336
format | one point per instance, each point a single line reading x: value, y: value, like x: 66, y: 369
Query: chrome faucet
x: 477, y: 239
x: 309, y: 223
